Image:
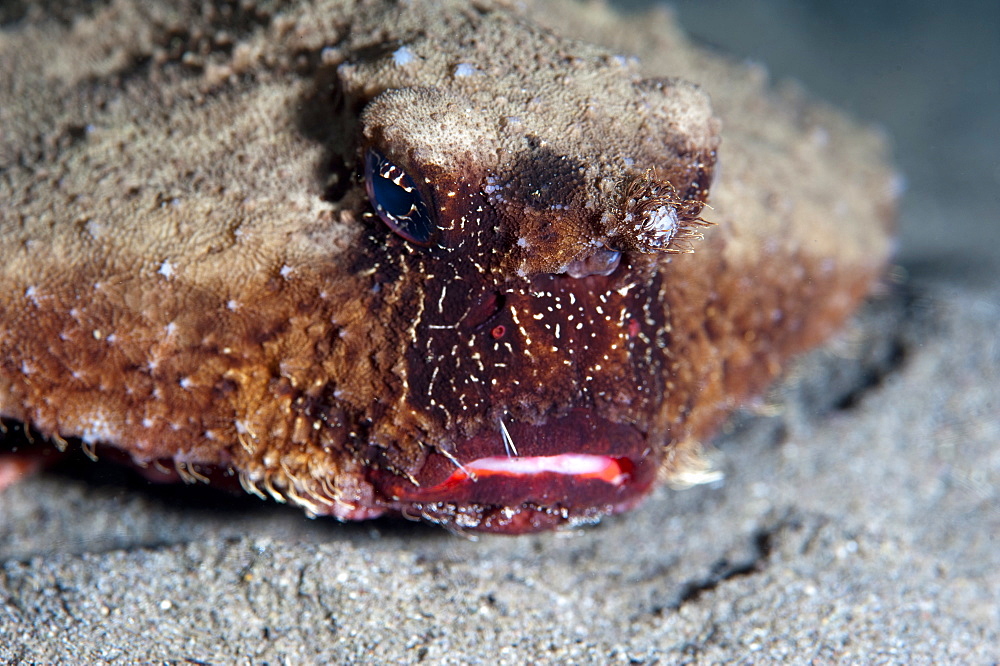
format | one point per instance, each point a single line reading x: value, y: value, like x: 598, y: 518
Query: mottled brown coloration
x: 193, y: 271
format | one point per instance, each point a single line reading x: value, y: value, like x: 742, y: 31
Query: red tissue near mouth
x: 581, y: 466
x: 573, y: 469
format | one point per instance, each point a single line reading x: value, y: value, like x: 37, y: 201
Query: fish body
x: 432, y: 258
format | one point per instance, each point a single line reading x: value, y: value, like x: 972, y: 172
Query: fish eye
x: 397, y: 200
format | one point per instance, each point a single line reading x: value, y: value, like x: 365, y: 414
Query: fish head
x: 535, y: 362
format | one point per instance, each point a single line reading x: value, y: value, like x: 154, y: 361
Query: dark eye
x: 397, y: 200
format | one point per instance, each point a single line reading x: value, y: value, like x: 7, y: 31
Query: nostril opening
x: 483, y: 311
x: 601, y: 262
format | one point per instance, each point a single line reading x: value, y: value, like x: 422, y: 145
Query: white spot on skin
x: 463, y: 69
x: 166, y: 269
x: 97, y: 428
x: 186, y: 383
x: 625, y: 61
x: 285, y: 271
x: 96, y: 230
x: 402, y: 56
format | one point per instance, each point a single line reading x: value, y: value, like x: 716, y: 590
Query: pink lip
x: 582, y: 466
x: 572, y: 469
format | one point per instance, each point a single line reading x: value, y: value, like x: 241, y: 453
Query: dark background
x: 926, y: 72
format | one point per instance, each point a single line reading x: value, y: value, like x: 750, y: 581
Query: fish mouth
x: 526, y: 477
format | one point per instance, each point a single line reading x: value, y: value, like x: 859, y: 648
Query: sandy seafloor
x: 857, y: 522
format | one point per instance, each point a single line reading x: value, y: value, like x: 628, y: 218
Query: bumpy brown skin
x: 193, y: 272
